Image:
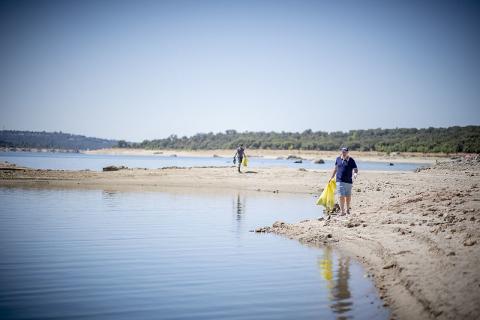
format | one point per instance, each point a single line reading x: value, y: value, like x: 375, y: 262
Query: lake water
x: 79, y: 161
x: 93, y: 254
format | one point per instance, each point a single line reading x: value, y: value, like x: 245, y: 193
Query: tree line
x: 446, y: 140
x: 51, y: 140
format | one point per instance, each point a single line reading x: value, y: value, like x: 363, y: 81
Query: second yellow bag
x: 327, y: 198
x: 245, y: 161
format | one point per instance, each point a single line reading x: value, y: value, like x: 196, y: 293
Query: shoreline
x: 310, y: 155
x: 265, y: 179
x: 417, y: 234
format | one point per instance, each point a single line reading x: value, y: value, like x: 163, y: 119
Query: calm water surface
x: 79, y: 161
x: 107, y: 255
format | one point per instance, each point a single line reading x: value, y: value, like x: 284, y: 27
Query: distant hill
x: 51, y: 140
x: 446, y: 140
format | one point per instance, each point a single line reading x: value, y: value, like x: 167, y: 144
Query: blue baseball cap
x: 344, y: 148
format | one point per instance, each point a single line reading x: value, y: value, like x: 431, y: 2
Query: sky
x: 139, y: 70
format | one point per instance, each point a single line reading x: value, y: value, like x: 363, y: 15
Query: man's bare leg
x: 349, y: 199
x: 342, y: 205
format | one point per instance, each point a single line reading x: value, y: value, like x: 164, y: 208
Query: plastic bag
x: 327, y: 198
x: 245, y: 161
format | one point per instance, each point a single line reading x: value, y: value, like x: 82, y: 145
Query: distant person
x: 239, y: 156
x: 345, y: 167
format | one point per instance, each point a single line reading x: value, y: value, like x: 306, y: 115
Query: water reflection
x: 337, y: 284
x: 110, y: 198
x: 166, y: 255
x: 239, y: 207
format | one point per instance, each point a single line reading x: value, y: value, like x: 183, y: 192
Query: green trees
x: 122, y: 144
x: 51, y: 140
x: 447, y: 140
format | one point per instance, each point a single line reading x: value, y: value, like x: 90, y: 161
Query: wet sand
x: 417, y: 233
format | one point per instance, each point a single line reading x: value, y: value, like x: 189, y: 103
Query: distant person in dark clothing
x: 239, y: 156
x: 345, y: 167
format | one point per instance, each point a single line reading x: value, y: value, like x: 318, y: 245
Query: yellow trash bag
x: 327, y: 198
x: 245, y: 161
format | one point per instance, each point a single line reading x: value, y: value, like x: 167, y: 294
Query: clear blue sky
x: 146, y: 69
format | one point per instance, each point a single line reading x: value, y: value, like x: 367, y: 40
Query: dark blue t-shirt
x: 344, y: 169
x: 240, y: 152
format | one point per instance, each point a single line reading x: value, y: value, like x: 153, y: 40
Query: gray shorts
x: 344, y: 189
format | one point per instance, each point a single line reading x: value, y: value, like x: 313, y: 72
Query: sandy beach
x: 417, y: 233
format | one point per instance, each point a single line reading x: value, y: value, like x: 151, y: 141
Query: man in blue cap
x: 345, y: 169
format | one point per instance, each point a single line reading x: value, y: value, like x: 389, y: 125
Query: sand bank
x: 417, y: 233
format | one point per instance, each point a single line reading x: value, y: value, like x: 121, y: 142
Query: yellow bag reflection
x: 326, y: 268
x: 327, y: 199
x: 245, y: 161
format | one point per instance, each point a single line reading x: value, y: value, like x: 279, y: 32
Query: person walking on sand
x: 345, y: 167
x: 239, y: 156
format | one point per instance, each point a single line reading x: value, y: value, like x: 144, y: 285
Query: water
x: 78, y: 254
x: 79, y: 161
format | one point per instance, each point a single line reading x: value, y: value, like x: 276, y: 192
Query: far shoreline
x: 307, y: 155
x: 310, y: 155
